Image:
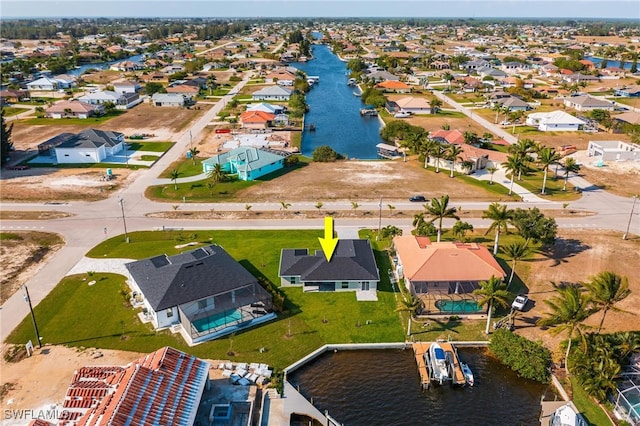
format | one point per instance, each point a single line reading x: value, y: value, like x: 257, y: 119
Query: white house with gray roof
x: 88, y: 146
x: 588, y: 103
x: 352, y: 268
x: 202, y: 293
x: 555, y: 121
x: 248, y: 162
x: 272, y: 93
x: 168, y: 99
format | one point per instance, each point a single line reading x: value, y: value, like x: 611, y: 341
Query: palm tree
x: 434, y: 106
x: 570, y: 166
x: 174, y: 175
x: 391, y: 209
x: 194, y: 151
x: 513, y: 165
x: 491, y: 171
x: 546, y: 157
x: 429, y: 146
x: 492, y: 291
x: 284, y: 205
x: 411, y: 304
x: 522, y: 150
x: 453, y: 154
x: 461, y: 228
x: 440, y: 209
x: 418, y: 220
x: 438, y: 153
x: 516, y: 251
x: 606, y: 289
x: 568, y: 310
x: 217, y: 174
x: 500, y: 215
x: 354, y: 207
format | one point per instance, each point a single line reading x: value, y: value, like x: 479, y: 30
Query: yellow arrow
x: 328, y: 243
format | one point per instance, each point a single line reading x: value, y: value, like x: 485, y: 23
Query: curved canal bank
x: 335, y: 111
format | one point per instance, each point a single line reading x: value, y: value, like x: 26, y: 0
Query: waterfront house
x: 272, y: 93
x: 555, y: 121
x: 202, y: 293
x: 443, y: 268
x: 43, y: 83
x: 256, y: 119
x: 379, y: 76
x: 588, y: 103
x: 394, y: 86
x: 413, y: 105
x: 163, y: 387
x: 613, y: 151
x: 87, y: 146
x: 352, y: 268
x: 266, y: 107
x: 76, y: 109
x: 126, y: 66
x: 248, y: 162
x: 281, y: 77
x: 168, y: 99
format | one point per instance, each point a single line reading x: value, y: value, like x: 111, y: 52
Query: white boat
x: 402, y: 114
x: 351, y: 82
x: 439, y: 368
x: 468, y: 374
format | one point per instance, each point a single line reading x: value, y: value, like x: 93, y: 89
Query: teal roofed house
x: 248, y: 162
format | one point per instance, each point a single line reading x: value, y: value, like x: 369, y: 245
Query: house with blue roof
x: 248, y: 163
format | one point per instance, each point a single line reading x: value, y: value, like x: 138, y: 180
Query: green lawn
x: 91, y: 121
x: 553, y: 189
x: 77, y: 314
x: 447, y: 113
x: 186, y: 167
x: 493, y: 188
x: 89, y: 166
x: 200, y: 192
x: 9, y: 111
x: 219, y: 92
x: 589, y: 409
x: 149, y: 146
x: 149, y: 157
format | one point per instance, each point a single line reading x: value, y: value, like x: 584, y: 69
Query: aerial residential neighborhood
x: 228, y: 221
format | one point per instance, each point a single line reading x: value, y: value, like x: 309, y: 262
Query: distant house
x: 413, y: 105
x: 43, y: 83
x: 121, y: 101
x: 475, y: 65
x: 491, y: 72
x: 168, y: 100
x: 126, y: 87
x: 579, y: 78
x: 394, y: 86
x: 126, y: 66
x: 248, y: 162
x: 515, y: 67
x: 352, y: 268
x: 378, y: 76
x: 141, y: 392
x: 628, y: 92
x: 443, y: 268
x: 588, y: 103
x: 187, y: 91
x: 256, y: 119
x: 281, y: 77
x: 613, y: 151
x: 13, y: 95
x: 513, y: 103
x: 88, y: 146
x: 203, y: 293
x: 272, y: 93
x: 266, y: 107
x: 555, y: 121
x: 77, y: 109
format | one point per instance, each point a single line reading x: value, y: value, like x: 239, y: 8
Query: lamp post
x: 33, y: 317
x: 633, y: 206
x: 124, y: 221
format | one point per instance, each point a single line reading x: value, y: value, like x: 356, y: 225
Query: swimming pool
x: 217, y: 320
x: 458, y: 306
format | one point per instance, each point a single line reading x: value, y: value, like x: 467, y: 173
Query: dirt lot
x: 21, y: 255
x: 362, y: 180
x: 576, y: 256
x: 621, y: 178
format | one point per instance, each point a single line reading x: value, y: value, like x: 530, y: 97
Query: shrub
x: 529, y: 359
x: 325, y: 154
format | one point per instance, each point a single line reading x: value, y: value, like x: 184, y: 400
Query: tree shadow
x: 562, y: 250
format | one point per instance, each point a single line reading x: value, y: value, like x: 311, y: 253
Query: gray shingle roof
x: 88, y: 138
x: 168, y: 281
x: 352, y: 260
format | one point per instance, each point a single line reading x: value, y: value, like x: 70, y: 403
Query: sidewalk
x: 500, y: 178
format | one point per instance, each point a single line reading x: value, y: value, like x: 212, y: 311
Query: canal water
x: 102, y: 65
x: 382, y: 387
x: 610, y: 62
x: 335, y: 111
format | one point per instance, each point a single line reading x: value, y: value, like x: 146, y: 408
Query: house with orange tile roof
x: 163, y: 387
x: 443, y: 268
x: 256, y: 119
x: 394, y: 86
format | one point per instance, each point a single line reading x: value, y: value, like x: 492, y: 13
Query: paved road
x: 87, y: 228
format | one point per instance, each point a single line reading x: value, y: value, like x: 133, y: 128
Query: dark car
x: 19, y: 167
x: 418, y: 198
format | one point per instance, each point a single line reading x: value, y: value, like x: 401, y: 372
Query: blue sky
x: 629, y: 9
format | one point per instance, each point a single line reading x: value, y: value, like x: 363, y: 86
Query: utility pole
x: 124, y: 221
x: 33, y: 317
x: 379, y: 218
x: 633, y: 206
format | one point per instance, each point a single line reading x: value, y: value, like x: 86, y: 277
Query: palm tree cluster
x: 439, y: 209
x: 575, y: 302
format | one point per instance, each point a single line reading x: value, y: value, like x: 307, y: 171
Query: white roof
x: 101, y: 95
x: 274, y: 91
x: 556, y: 117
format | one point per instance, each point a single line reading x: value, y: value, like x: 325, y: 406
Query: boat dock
x: 420, y: 349
x: 367, y: 112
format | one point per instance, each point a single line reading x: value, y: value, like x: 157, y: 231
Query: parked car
x: 418, y: 198
x: 520, y: 302
x: 18, y: 167
x: 505, y: 123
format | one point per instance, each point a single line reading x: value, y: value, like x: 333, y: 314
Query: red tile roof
x: 256, y: 117
x: 393, y: 85
x: 451, y: 136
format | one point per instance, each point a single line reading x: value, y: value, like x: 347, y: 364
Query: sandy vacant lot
x: 576, y: 256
